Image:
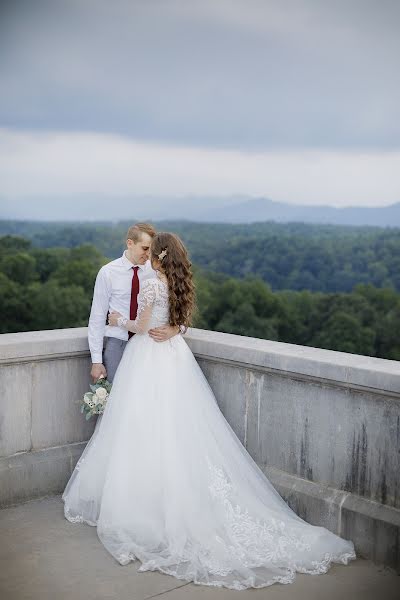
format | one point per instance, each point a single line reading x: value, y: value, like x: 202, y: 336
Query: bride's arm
x: 141, y: 324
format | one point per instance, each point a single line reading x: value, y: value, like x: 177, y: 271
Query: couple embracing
x: 164, y: 478
x: 116, y: 294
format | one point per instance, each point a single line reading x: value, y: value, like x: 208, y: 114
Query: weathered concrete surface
x: 324, y: 426
x: 43, y: 557
x: 339, y: 436
x: 326, y: 416
x: 32, y: 474
x: 43, y: 374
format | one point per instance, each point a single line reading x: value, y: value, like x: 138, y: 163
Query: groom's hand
x: 98, y: 370
x: 163, y: 333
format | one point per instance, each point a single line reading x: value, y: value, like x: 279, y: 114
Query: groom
x: 116, y: 289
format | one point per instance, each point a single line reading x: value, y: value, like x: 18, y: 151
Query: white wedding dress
x: 165, y: 479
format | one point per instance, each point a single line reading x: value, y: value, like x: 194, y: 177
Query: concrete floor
x: 44, y: 556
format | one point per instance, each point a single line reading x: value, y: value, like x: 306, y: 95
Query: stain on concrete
x: 305, y: 468
x: 383, y: 487
x: 358, y: 480
x: 393, y: 550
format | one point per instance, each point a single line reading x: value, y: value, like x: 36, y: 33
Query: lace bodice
x: 153, y: 305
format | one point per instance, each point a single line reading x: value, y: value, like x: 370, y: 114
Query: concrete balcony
x: 324, y: 426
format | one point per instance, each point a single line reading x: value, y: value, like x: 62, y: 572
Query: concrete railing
x: 324, y: 426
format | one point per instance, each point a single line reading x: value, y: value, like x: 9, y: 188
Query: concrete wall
x: 324, y: 426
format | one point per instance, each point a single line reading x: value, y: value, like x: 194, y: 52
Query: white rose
x: 101, y: 393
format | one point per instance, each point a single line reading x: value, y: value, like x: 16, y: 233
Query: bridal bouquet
x: 94, y: 402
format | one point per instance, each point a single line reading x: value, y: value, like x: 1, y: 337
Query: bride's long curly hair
x: 177, y: 268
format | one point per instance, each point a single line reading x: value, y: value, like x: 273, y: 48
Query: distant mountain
x: 90, y: 207
x: 263, y: 209
x: 230, y: 209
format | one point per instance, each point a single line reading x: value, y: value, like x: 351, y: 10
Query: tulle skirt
x: 165, y: 480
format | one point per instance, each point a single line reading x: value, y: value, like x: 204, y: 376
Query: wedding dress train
x: 165, y: 479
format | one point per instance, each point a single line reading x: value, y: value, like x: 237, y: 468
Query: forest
x: 51, y: 287
x: 290, y: 256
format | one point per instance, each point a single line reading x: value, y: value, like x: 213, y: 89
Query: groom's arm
x: 164, y: 332
x: 97, y: 322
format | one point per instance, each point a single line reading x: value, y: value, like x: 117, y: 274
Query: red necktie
x: 134, y: 295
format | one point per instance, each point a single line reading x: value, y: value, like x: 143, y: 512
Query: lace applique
x: 257, y: 543
x: 77, y: 518
x: 126, y: 558
x: 261, y: 540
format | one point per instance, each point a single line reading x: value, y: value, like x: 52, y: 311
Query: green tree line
x: 51, y: 288
x: 294, y: 256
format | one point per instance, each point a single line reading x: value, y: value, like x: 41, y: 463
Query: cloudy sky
x: 295, y: 100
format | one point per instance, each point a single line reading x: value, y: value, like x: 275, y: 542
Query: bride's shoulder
x: 148, y: 291
x: 161, y: 280
x: 152, y: 283
x: 149, y: 282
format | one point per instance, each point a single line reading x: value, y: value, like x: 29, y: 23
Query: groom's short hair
x: 135, y: 231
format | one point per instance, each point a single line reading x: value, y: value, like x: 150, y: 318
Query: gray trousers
x: 112, y: 354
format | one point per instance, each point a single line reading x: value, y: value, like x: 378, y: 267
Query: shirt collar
x: 127, y: 263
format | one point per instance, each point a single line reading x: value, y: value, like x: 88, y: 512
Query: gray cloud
x: 235, y: 74
x: 80, y: 166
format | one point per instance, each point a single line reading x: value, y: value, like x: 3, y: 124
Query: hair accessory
x: 162, y: 254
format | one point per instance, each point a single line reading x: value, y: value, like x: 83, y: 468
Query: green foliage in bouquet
x: 94, y: 402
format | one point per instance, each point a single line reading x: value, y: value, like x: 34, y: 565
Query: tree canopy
x: 51, y: 288
x: 286, y: 256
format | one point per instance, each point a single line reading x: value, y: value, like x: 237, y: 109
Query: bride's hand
x: 113, y: 318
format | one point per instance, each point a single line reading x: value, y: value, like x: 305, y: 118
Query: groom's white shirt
x: 112, y: 292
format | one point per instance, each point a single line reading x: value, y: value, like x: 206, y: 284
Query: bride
x: 165, y: 479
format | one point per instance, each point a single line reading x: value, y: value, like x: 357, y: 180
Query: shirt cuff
x: 97, y: 358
